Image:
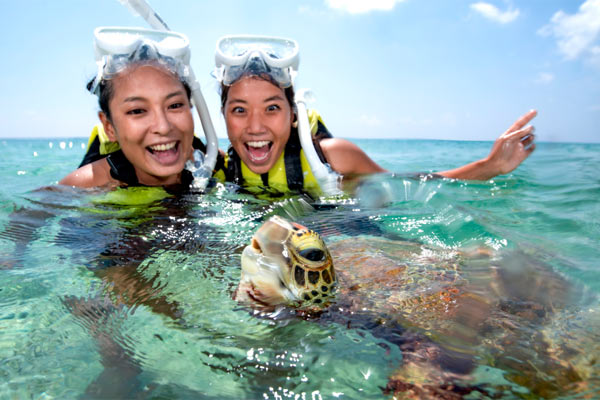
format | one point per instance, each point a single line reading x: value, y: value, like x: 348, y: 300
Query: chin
x: 260, y: 168
x: 167, y: 173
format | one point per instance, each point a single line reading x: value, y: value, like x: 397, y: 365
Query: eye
x: 136, y: 111
x: 312, y: 254
x: 273, y: 107
x: 175, y: 106
x: 238, y: 110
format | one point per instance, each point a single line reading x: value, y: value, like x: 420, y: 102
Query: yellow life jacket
x: 105, y: 145
x: 277, y: 180
x: 100, y: 146
x: 290, y: 173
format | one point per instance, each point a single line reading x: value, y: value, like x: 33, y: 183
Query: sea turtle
x: 286, y: 264
x: 454, y: 315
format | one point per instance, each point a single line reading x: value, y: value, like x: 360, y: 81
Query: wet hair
x: 106, y: 88
x: 288, y: 91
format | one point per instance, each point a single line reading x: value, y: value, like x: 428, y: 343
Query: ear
x: 109, y: 129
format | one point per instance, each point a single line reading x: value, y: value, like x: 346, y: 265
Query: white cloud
x: 544, y: 78
x: 493, y: 13
x: 577, y: 34
x: 362, y: 6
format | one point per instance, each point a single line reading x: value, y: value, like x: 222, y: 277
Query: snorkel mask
x: 243, y: 55
x: 118, y: 48
x: 238, y: 56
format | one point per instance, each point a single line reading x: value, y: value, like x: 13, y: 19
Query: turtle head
x: 286, y: 264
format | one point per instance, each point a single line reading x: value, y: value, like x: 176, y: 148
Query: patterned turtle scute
x: 312, y: 265
x: 297, y: 257
x: 299, y: 275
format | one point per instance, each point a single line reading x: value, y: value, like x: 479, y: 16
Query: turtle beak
x: 299, y: 227
x: 255, y: 245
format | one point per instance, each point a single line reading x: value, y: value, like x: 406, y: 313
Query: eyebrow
x: 276, y: 97
x: 138, y: 98
x: 268, y: 99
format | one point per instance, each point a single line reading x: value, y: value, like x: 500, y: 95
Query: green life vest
x: 291, y: 173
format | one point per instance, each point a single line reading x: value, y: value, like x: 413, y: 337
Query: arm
x: 346, y: 158
x: 90, y: 175
x: 508, y: 152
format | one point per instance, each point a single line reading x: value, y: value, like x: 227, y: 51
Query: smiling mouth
x: 162, y: 147
x: 259, y: 150
x: 165, y: 153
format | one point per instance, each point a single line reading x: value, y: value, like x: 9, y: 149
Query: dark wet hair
x: 106, y: 90
x: 289, y: 91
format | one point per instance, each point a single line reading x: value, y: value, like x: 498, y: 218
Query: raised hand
x: 513, y: 146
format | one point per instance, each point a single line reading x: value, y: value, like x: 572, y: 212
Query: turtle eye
x: 312, y: 254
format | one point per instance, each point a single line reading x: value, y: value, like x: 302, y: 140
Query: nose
x: 161, y: 125
x: 255, y: 123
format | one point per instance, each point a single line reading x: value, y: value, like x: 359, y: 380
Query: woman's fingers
x: 522, y: 121
x: 527, y: 139
x: 520, y: 134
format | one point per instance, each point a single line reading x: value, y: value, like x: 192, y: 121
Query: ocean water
x: 492, y: 286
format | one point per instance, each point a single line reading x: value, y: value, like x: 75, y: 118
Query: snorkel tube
x: 204, y: 170
x: 279, y: 58
x: 329, y: 180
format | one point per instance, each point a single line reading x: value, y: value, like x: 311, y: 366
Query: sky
x: 397, y: 69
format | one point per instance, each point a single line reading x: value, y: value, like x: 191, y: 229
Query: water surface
x: 98, y: 295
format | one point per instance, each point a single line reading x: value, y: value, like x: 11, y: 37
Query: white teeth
x: 262, y: 143
x: 163, y: 147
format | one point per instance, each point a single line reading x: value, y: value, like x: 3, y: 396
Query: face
x: 259, y: 120
x: 153, y: 123
x: 286, y: 263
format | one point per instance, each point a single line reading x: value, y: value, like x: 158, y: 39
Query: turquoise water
x: 135, y: 300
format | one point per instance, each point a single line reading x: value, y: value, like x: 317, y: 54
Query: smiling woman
x: 258, y: 118
x: 145, y: 108
x: 264, y: 121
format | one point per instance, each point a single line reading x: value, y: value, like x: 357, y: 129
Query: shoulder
x: 90, y: 175
x: 346, y: 157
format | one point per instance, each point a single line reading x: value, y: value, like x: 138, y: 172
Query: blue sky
x: 460, y: 70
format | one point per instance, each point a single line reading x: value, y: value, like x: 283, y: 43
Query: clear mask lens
x: 118, y: 48
x: 237, y: 56
x: 117, y: 40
